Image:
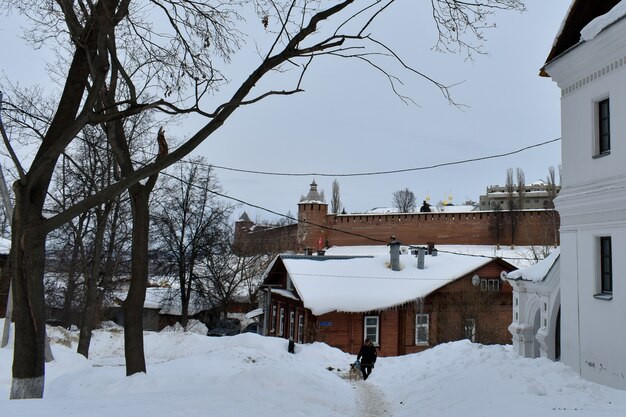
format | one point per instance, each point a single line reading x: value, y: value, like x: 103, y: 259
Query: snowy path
x: 371, y: 401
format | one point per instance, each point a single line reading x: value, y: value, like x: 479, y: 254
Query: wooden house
x: 341, y: 300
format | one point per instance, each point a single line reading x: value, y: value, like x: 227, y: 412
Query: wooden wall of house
x: 290, y: 305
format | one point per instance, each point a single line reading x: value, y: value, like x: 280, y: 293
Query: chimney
x: 420, y: 257
x: 431, y: 248
x: 394, y: 254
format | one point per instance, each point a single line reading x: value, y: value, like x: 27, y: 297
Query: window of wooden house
x: 292, y: 325
x: 300, y: 328
x: 494, y: 285
x: 470, y: 329
x: 490, y: 285
x: 281, y: 324
x: 273, y: 320
x: 421, y: 329
x: 371, y: 329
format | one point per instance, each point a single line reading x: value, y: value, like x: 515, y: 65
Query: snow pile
x: 193, y: 326
x: 598, y: 24
x: 193, y: 375
x: 466, y: 379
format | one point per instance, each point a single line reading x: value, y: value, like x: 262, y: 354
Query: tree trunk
x: 133, y: 305
x: 91, y: 296
x: 70, y: 290
x: 28, y: 243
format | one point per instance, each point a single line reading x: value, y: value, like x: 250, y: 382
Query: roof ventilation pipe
x: 421, y: 252
x: 394, y: 254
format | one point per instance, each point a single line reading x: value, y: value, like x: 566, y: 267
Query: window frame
x: 418, y: 325
x: 300, y: 328
x: 602, y: 131
x: 273, y: 319
x: 281, y: 323
x: 292, y: 325
x: 605, y: 274
x: 375, y: 326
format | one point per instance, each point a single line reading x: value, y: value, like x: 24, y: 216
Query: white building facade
x: 591, y: 74
x: 536, y: 309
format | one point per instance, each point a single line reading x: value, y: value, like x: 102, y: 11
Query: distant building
x: 446, y: 225
x: 538, y: 195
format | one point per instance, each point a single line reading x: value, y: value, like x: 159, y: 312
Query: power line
x: 394, y: 171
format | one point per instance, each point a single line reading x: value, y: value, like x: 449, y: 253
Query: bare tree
x: 188, y: 219
x: 512, y: 204
x: 521, y: 188
x: 552, y: 193
x: 551, y: 187
x: 117, y: 66
x: 509, y: 187
x: 404, y: 201
x: 335, y: 201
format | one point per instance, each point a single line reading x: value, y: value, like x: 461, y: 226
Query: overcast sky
x: 349, y: 121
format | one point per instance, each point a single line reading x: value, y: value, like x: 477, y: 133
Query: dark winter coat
x: 368, y: 355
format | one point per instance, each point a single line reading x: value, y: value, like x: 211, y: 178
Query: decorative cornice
x: 602, y: 72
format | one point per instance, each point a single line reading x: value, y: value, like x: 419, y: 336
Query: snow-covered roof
x: 363, y: 284
x: 601, y: 22
x: 580, y: 14
x: 285, y: 293
x: 313, y: 197
x: 538, y: 271
x: 520, y: 256
x: 167, y: 301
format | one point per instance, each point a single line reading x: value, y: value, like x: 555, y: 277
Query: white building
x: 536, y: 309
x: 588, y: 63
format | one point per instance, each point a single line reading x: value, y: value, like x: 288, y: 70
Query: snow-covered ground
x: 249, y: 375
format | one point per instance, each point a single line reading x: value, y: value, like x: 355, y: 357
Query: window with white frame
x: 494, y: 285
x: 470, y: 329
x: 273, y: 319
x: 292, y: 324
x: 421, y: 329
x: 300, y: 328
x: 371, y: 329
x: 281, y: 323
x: 490, y: 285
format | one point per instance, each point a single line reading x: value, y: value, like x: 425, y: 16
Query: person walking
x: 367, y: 355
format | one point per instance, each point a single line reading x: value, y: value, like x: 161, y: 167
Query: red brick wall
x: 538, y: 227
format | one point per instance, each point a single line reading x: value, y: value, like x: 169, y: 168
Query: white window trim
x: 422, y: 325
x: 281, y: 323
x: 300, y: 328
x: 472, y: 322
x: 292, y: 324
x: 273, y: 319
x: 376, y: 326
